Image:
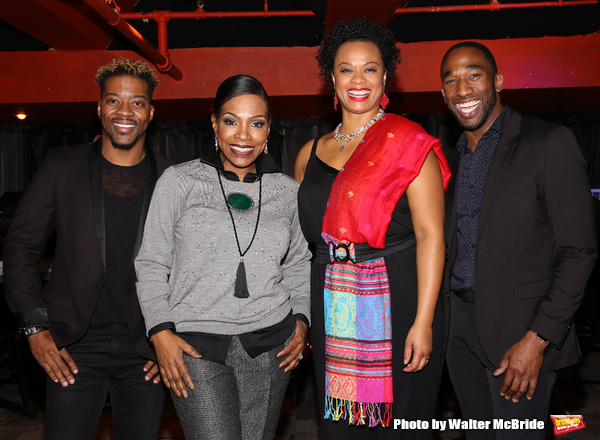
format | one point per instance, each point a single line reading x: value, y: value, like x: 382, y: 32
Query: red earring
x: 384, y: 101
x: 335, y: 101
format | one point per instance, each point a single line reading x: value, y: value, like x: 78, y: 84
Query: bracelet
x: 541, y: 338
x: 30, y: 331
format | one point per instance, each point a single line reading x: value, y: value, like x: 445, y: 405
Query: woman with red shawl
x: 371, y: 200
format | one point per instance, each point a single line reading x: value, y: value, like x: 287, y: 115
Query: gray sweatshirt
x: 187, y: 263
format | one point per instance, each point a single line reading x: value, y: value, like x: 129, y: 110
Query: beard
x: 127, y: 143
x: 471, y: 125
x: 125, y: 147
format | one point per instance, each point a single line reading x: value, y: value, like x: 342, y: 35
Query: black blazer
x: 536, y: 242
x: 66, y: 195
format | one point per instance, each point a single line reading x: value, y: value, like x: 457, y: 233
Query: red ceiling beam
x: 547, y: 63
x: 527, y: 63
x: 80, y: 27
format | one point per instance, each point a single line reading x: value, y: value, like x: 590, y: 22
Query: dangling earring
x: 384, y: 101
x: 267, y: 146
x: 335, y: 101
x: 216, y: 144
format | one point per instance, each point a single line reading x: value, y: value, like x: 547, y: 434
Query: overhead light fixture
x: 21, y: 116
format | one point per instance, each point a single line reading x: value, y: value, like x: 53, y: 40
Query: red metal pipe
x: 201, y: 14
x: 163, y: 17
x: 161, y: 21
x: 162, y: 62
x: 494, y: 5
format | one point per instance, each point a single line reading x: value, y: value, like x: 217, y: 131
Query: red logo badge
x: 567, y: 423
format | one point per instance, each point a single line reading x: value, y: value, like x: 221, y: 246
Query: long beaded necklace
x: 241, y: 285
x: 343, y: 139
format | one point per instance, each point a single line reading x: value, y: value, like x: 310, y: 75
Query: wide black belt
x: 467, y: 296
x: 341, y: 252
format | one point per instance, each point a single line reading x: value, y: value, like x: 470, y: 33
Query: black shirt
x: 123, y: 190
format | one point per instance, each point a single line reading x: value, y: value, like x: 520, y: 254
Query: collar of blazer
x: 506, y: 145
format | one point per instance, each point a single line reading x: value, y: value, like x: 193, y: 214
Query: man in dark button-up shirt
x: 521, y: 245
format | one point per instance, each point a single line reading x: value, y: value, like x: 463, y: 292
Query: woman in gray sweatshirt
x: 223, y: 276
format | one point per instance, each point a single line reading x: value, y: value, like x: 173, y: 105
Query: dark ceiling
x: 308, y: 31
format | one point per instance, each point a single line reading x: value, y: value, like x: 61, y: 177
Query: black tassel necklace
x: 233, y: 200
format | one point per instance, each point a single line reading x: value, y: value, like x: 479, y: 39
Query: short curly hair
x: 358, y: 29
x: 123, y: 66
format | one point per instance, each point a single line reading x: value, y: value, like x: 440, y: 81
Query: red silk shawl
x: 368, y: 188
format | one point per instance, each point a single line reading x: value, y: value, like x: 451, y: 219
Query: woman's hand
x: 417, y: 348
x: 294, y: 348
x: 169, y: 350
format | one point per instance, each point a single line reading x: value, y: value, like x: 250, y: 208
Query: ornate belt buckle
x: 339, y: 253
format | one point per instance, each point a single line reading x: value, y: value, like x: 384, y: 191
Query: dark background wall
x: 22, y: 147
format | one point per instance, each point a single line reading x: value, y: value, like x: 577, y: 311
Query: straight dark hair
x: 236, y: 86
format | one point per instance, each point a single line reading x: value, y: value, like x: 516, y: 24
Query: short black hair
x: 358, y: 29
x: 122, y: 67
x: 473, y: 45
x: 236, y: 86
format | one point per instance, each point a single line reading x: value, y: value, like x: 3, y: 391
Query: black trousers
x: 107, y: 365
x: 478, y: 390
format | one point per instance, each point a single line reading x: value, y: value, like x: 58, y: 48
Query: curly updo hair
x: 358, y: 29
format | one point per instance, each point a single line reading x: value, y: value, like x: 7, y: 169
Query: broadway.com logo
x: 567, y: 423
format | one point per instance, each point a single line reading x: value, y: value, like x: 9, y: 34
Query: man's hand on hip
x: 58, y: 364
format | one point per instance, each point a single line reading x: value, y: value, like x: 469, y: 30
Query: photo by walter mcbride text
x: 468, y: 424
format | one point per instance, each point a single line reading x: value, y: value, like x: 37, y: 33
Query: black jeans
x: 107, y: 364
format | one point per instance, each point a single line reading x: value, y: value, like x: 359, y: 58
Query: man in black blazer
x: 84, y: 327
x: 521, y: 245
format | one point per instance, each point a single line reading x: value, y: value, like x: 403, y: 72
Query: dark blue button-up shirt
x: 472, y: 174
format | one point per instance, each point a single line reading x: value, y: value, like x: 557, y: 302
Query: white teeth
x: 241, y: 149
x: 468, y: 107
x: 124, y: 125
x: 359, y: 93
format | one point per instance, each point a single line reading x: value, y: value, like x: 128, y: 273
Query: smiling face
x: 359, y: 77
x: 470, y: 89
x: 242, y: 128
x: 125, y: 111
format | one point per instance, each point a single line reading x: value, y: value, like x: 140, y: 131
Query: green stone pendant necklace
x: 241, y: 202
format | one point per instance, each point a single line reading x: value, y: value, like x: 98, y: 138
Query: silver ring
x: 300, y: 357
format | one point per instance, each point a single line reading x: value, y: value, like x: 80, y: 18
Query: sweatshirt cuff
x: 160, y: 327
x: 302, y: 317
